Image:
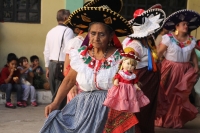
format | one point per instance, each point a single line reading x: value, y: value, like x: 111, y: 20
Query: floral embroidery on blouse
x: 105, y: 64
x: 181, y: 44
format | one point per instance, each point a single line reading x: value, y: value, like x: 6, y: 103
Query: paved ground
x: 31, y: 119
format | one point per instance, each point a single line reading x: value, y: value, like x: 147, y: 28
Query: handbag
x: 60, y: 65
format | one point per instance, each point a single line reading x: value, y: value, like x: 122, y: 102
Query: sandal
x: 10, y: 105
x: 34, y: 104
x: 20, y: 104
x: 24, y: 103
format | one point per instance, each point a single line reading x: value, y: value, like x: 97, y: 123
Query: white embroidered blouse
x: 174, y: 52
x: 89, y: 77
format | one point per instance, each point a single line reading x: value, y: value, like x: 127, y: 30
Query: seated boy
x: 38, y: 81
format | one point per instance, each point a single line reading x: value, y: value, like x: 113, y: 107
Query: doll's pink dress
x: 125, y: 97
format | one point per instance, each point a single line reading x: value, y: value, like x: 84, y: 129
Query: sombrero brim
x: 82, y: 17
x: 115, y: 5
x: 157, y: 17
x: 156, y: 6
x: 130, y: 55
x: 190, y: 16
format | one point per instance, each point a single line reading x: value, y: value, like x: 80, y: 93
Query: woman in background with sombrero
x: 178, y: 75
x: 146, y: 24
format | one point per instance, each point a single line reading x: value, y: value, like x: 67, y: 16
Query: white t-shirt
x: 53, y: 43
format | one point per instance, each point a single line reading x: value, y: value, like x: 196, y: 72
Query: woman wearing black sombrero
x: 178, y: 74
x: 93, y: 68
x: 146, y: 24
x: 77, y: 41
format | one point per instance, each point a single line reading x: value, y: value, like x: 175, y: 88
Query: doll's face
x: 127, y: 65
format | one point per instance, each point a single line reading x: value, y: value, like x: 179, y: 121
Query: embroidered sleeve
x: 166, y: 40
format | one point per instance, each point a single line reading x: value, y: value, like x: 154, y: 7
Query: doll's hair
x: 132, y: 61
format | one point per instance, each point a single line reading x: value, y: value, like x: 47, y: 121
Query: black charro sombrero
x: 190, y: 16
x: 147, y: 23
x: 82, y: 17
x: 115, y: 5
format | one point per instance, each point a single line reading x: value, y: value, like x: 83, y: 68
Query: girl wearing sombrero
x: 92, y: 66
x: 144, y: 25
x: 178, y: 75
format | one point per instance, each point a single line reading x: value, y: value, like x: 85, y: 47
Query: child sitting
x: 26, y: 76
x: 9, y: 81
x: 38, y: 81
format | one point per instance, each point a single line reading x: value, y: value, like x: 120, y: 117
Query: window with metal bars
x: 169, y: 6
x: 23, y: 11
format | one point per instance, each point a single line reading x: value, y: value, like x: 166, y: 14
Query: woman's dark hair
x: 108, y: 28
x: 33, y: 58
x: 21, y: 60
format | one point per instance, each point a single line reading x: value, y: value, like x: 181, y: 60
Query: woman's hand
x: 49, y: 108
x: 195, y: 61
x: 74, y: 91
x: 196, y: 69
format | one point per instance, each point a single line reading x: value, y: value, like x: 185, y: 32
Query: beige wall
x: 28, y: 39
x: 195, y: 5
x: 86, y: 0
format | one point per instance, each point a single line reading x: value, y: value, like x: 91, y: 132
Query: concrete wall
x: 25, y: 39
x: 194, y: 5
x: 72, y: 5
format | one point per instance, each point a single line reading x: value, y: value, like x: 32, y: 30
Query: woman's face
x: 182, y: 27
x: 99, y: 36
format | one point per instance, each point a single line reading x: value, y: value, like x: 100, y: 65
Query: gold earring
x: 176, y: 32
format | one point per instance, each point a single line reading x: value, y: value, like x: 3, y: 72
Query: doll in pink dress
x: 125, y: 95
